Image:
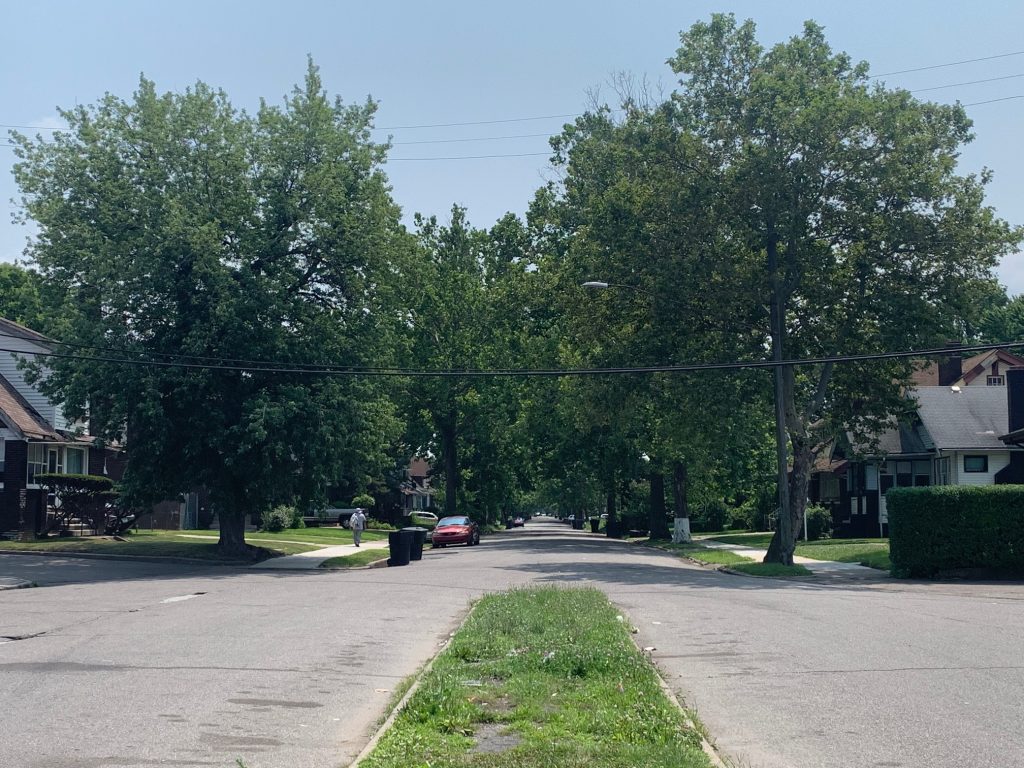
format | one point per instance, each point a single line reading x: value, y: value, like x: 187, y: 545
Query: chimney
x: 951, y: 368
x: 1015, y: 397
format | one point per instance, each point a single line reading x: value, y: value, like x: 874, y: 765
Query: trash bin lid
x: 415, y: 528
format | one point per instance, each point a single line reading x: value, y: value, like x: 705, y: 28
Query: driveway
x: 141, y: 664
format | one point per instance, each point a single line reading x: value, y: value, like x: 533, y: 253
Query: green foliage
x: 709, y: 516
x: 379, y: 525
x: 175, y: 225
x: 296, y: 521
x: 819, y: 522
x: 741, y: 518
x: 85, y: 497
x: 949, y: 528
x: 21, y: 298
x: 363, y: 501
x: 278, y: 518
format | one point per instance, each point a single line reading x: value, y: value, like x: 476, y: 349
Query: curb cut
x: 16, y: 584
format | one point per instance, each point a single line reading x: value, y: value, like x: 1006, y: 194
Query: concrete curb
x: 420, y: 676
x: 12, y: 583
x: 129, y: 558
x: 705, y: 745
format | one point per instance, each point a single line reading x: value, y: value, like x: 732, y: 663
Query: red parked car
x: 455, y: 530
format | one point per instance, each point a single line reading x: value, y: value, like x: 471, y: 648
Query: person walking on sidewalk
x: 358, y: 522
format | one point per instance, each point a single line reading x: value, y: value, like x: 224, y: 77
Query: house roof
x: 971, y: 367
x: 972, y: 418
x: 21, y: 417
x: 11, y: 328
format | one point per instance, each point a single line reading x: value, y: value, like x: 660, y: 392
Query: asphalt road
x: 126, y: 664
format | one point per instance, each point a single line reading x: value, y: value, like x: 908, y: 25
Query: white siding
x: 10, y: 371
x: 997, y: 460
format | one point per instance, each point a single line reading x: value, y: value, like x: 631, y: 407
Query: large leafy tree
x: 181, y: 230
x: 21, y: 296
x: 846, y: 213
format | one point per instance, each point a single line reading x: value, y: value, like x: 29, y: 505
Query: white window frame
x: 995, y: 381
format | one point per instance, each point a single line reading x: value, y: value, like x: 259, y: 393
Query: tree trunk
x: 799, y: 479
x: 232, y: 535
x: 681, y: 530
x: 611, y: 524
x: 658, y: 522
x: 449, y: 435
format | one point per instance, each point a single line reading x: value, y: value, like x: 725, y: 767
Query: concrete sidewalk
x: 817, y: 567
x: 311, y: 560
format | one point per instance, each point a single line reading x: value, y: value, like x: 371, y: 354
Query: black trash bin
x: 595, y: 524
x: 419, y: 535
x: 399, y: 544
x: 577, y: 523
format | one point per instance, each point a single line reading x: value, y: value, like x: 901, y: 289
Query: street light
x: 784, y: 523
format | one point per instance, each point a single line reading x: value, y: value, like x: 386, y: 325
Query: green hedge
x: 955, y: 527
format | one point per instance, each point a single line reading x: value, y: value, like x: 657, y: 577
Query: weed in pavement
x: 537, y: 678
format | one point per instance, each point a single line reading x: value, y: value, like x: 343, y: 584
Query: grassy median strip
x: 356, y: 559
x: 695, y: 551
x: 540, y: 677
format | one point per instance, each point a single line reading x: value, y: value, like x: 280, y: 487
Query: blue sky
x: 457, y: 62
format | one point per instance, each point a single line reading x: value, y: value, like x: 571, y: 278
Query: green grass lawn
x: 355, y: 560
x: 873, y: 553
x: 695, y: 551
x: 771, y: 570
x: 150, y: 543
x: 323, y: 536
x: 540, y: 677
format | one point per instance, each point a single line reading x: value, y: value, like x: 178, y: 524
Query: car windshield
x: 453, y: 521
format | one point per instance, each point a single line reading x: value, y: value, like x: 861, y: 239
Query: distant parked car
x: 424, y: 519
x: 518, y: 522
x: 457, y: 529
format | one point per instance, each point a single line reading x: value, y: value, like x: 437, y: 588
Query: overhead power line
x: 992, y: 101
x: 969, y: 82
x: 469, y: 157
x: 950, y: 64
x: 525, y: 372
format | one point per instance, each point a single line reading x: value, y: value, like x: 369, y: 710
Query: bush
x: 277, y: 519
x: 364, y: 501
x: 741, y: 517
x: 954, y: 527
x: 296, y: 521
x: 711, y: 516
x: 380, y: 525
x: 819, y: 522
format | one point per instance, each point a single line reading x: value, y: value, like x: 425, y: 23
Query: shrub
x: 741, y: 517
x: 380, y: 525
x: 277, y: 519
x: 296, y: 521
x: 955, y: 527
x: 711, y: 516
x: 819, y: 522
x: 363, y: 501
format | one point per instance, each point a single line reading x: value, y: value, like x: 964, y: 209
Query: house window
x: 76, y: 461
x: 3, y: 453
x: 975, y: 463
x: 995, y: 381
x: 922, y: 473
x: 36, y: 462
x: 942, y: 471
x: 829, y: 487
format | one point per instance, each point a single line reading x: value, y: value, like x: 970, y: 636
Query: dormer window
x: 995, y: 381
